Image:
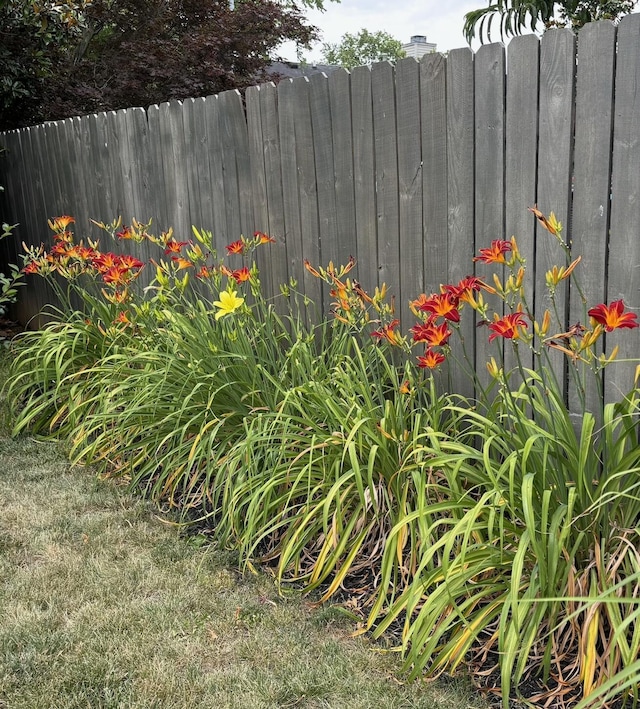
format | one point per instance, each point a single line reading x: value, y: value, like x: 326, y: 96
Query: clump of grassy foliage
x: 501, y: 530
x: 104, y: 605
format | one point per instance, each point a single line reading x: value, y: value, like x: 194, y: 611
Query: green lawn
x: 106, y: 605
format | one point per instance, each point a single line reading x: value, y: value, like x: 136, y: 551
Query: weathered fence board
x: 433, y: 113
x: 521, y: 160
x: 624, y: 245
x: 489, y: 169
x: 386, y: 172
x: 364, y: 179
x: 410, y: 278
x: 411, y: 169
x: 290, y: 237
x: 270, y: 147
x: 592, y: 186
x: 344, y: 236
x: 460, y: 181
x: 555, y: 156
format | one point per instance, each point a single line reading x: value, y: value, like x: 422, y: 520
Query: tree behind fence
x: 410, y: 169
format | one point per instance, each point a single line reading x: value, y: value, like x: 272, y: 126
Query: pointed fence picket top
x: 410, y: 169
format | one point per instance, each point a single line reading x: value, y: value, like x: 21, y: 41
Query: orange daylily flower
x: 128, y: 261
x: 431, y: 359
x: 263, y: 238
x: 507, y: 326
x: 204, y: 272
x: 103, y: 262
x: 241, y: 274
x: 31, y: 267
x: 61, y: 223
x: 466, y: 287
x: 116, y: 276
x: 434, y: 335
x: 182, y: 262
x: 125, y: 233
x: 174, y: 247
x: 613, y: 316
x: 236, y: 247
x: 442, y: 305
x: 495, y: 253
x: 416, y: 304
x: 386, y: 332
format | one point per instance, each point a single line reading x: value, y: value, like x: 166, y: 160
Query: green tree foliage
x: 362, y: 48
x: 514, y: 16
x: 63, y: 59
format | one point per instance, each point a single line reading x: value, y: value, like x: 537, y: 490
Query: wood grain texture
x: 339, y: 85
x: 410, y: 282
x: 460, y: 186
x: 521, y: 161
x: 385, y: 140
x: 555, y: 169
x: 489, y: 174
x: 277, y: 253
x: 433, y: 114
x: 592, y: 186
x: 307, y: 190
x: 624, y: 245
x: 364, y: 181
x: 258, y: 181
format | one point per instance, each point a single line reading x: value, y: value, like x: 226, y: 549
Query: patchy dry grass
x: 105, y: 606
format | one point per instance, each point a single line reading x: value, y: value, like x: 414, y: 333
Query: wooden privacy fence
x: 409, y: 168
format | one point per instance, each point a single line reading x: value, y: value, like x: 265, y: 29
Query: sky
x: 440, y: 20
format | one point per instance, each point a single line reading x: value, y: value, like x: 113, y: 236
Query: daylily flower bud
x: 492, y: 367
x: 604, y: 360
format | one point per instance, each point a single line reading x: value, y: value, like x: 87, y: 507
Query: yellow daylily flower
x: 228, y: 303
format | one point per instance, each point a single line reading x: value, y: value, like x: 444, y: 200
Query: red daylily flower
x: 431, y: 359
x: 386, y: 332
x: 83, y: 253
x: 103, y: 262
x: 60, y: 249
x: 613, y: 316
x: 496, y: 252
x: 31, y: 267
x: 241, y: 274
x: 128, y: 261
x: 116, y: 276
x: 466, y: 287
x: 434, y: 335
x: 174, y: 247
x: 204, y: 272
x: 236, y: 247
x: 441, y: 305
x: 507, y: 326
